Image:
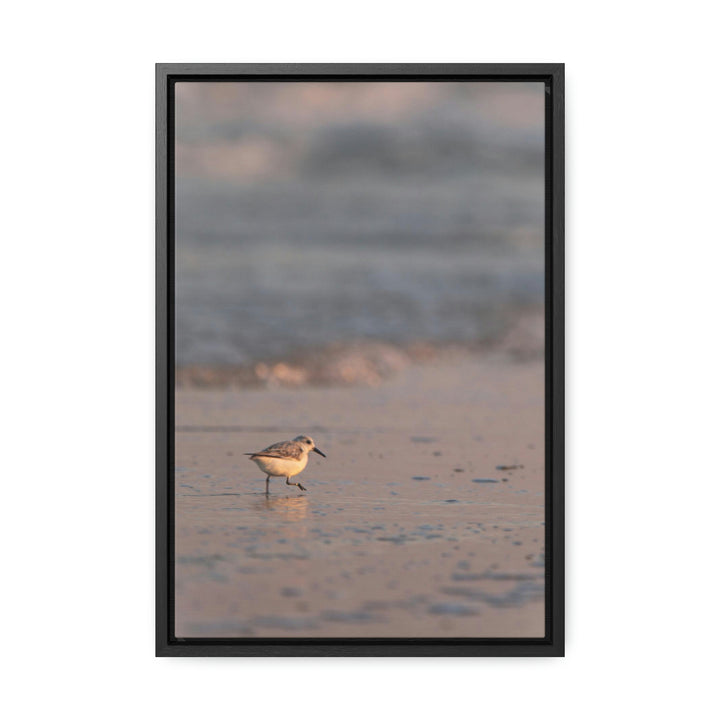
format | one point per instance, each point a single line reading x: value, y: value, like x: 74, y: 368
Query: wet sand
x: 426, y: 519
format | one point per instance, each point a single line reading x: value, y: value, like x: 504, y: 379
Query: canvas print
x: 359, y: 325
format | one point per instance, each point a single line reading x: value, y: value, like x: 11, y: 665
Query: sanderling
x: 285, y: 459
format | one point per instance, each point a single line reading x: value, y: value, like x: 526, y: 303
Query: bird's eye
x: 308, y: 442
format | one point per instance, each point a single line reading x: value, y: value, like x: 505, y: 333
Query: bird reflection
x: 289, y: 508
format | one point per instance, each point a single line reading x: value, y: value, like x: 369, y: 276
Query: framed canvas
x: 360, y: 359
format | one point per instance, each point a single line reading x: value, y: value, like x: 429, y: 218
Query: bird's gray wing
x: 280, y: 450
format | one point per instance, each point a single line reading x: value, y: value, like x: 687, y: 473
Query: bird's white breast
x: 281, y: 467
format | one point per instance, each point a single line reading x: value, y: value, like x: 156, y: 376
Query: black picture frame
x: 552, y: 75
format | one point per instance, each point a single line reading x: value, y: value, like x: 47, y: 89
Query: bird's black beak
x: 319, y: 452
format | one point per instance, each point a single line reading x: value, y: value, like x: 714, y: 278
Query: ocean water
x: 295, y: 234
x: 263, y: 272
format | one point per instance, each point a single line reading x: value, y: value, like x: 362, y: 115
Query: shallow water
x: 394, y: 537
x: 364, y: 552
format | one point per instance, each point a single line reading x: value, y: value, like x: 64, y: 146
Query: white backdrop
x: 77, y: 365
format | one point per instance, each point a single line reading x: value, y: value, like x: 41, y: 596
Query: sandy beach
x: 426, y: 519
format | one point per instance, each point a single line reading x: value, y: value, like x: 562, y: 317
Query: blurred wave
x: 311, y: 214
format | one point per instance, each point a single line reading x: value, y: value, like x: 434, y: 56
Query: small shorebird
x: 285, y: 459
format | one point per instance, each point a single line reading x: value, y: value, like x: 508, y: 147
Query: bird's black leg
x: 267, y: 485
x: 287, y: 482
